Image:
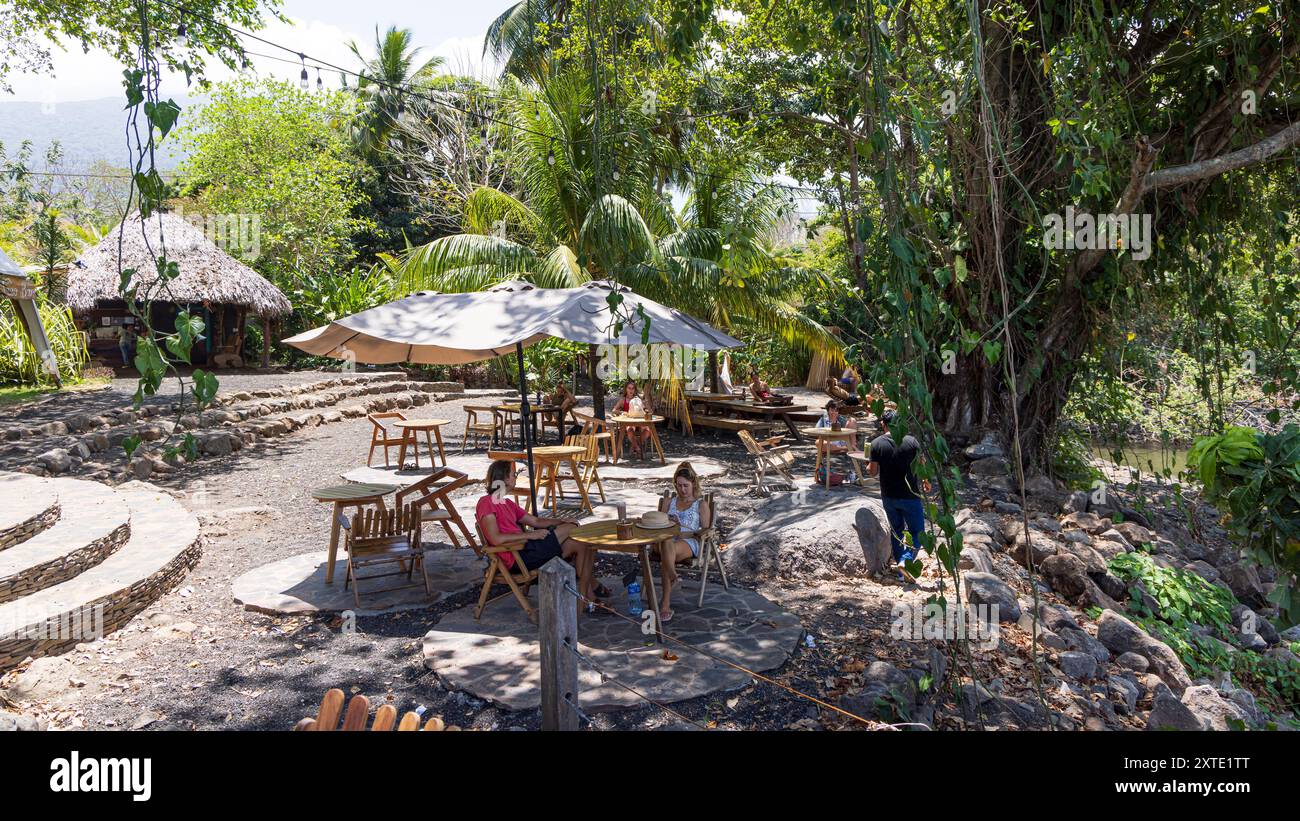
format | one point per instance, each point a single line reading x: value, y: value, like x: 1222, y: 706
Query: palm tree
x: 381, y: 82
x: 588, y: 207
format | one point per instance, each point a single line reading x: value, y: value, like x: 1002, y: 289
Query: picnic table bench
x: 766, y: 415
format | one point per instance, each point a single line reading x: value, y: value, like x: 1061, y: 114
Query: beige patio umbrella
x: 451, y: 329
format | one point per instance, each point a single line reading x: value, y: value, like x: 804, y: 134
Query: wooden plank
x: 385, y: 717
x: 558, y: 629
x: 331, y: 706
x: 358, y: 714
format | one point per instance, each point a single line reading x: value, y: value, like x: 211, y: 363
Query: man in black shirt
x: 900, y: 493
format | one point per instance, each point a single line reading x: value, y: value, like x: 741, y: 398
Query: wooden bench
x: 727, y: 423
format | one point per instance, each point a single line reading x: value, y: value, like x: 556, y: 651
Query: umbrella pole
x: 525, y: 427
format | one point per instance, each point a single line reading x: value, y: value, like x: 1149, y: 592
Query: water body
x: 1144, y: 457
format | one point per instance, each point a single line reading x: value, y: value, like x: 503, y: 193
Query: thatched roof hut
x: 208, y: 274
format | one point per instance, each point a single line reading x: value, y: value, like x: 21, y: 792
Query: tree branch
x: 1204, y: 169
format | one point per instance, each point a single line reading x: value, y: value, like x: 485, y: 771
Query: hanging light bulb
x: 537, y: 114
x: 302, y: 78
x: 320, y: 84
x: 183, y: 35
x: 550, y: 154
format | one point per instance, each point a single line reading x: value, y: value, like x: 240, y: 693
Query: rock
x: 1168, y: 713
x: 1076, y: 502
x: 1212, y: 709
x: 1052, y: 640
x: 1244, y: 583
x: 991, y: 466
x: 217, y: 444
x: 1056, y: 618
x: 1066, y: 574
x: 1290, y: 634
x: 30, y: 724
x: 1205, y: 570
x: 1090, y: 522
x: 1125, y: 692
x: 1079, y: 640
x: 8, y: 722
x: 985, y: 448
x: 848, y: 536
x: 1043, y: 547
x: 973, y: 558
x: 988, y: 589
x: 43, y: 679
x: 141, y: 467
x: 1110, y: 585
x: 1119, y: 635
x: 56, y: 460
x: 1134, y: 532
x: 1077, y: 536
x: 1040, y: 485
x: 1133, y: 661
x: 886, y: 693
x: 1010, y: 508
x: 1077, y: 665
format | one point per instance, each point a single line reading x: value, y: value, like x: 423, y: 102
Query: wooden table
x: 824, y: 436
x: 549, y: 458
x: 535, y: 412
x: 758, y: 410
x: 621, y: 425
x: 604, y: 536
x: 411, y: 429
x: 343, y: 497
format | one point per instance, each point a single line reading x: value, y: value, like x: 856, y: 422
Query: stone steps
x: 221, y: 430
x: 163, y: 544
x: 93, y: 523
x: 30, y: 507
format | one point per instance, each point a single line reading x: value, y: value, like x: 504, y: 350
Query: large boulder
x: 1244, y: 582
x: 43, y: 679
x: 812, y: 533
x: 1120, y: 635
x: 988, y: 589
x: 1214, y: 710
x: 1168, y: 713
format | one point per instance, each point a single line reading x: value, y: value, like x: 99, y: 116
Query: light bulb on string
x: 550, y: 154
x: 183, y: 35
x: 320, y: 84
x: 302, y: 78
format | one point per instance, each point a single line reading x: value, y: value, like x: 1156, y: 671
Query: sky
x: 452, y: 29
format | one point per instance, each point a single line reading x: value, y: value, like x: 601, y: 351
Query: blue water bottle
x: 634, y: 606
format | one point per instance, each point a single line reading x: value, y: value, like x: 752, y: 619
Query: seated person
x: 828, y: 420
x: 503, y: 522
x: 685, y: 509
x: 850, y: 380
x: 758, y: 389
x: 565, y: 401
x: 837, y: 392
x: 630, y: 403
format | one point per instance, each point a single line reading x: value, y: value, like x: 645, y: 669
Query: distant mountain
x: 88, y: 130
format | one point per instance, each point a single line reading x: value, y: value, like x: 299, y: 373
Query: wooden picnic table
x: 549, y: 458
x: 343, y: 497
x: 410, y: 435
x: 623, y: 422
x: 824, y: 436
x: 758, y: 410
x: 603, y: 535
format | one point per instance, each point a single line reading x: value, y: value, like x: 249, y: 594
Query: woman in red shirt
x: 503, y: 522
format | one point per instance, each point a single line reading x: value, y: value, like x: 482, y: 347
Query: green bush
x: 18, y: 360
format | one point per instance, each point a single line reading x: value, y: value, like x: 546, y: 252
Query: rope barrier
x: 606, y: 676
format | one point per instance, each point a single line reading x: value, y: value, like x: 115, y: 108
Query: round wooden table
x: 622, y: 424
x: 604, y: 536
x: 411, y: 429
x: 548, y: 459
x: 825, y: 436
x: 356, y: 495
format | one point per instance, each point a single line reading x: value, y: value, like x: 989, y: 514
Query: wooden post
x: 597, y: 384
x: 713, y: 372
x: 266, y: 342
x: 558, y: 628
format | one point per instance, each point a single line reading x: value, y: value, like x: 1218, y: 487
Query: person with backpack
x: 900, y: 492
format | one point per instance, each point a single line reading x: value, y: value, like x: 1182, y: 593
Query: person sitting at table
x: 758, y: 389
x: 503, y: 522
x: 630, y: 403
x: 685, y: 509
x: 832, y: 447
x: 563, y: 399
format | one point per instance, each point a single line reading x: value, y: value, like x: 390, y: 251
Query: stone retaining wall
x: 23, y: 531
x: 64, y: 567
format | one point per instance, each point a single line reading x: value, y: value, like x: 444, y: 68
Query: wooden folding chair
x: 384, y: 537
x: 591, y: 426
x: 383, y: 436
x: 331, y: 706
x: 708, y: 538
x: 433, y: 495
x: 767, y: 456
x: 513, y: 577
x: 473, y: 427
x: 587, y: 472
